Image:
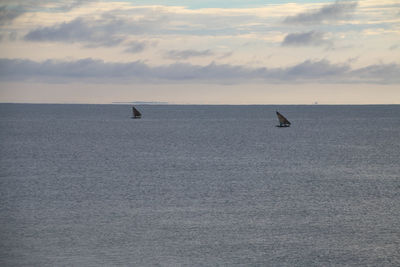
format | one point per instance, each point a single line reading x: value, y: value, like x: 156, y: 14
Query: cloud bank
x: 320, y: 71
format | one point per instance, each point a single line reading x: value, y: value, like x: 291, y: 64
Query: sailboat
x: 136, y: 113
x: 283, y: 122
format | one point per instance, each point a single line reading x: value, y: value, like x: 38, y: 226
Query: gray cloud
x: 135, y: 47
x: 134, y: 21
x: 79, y: 30
x: 185, y: 54
x: 332, y: 12
x: 11, y: 9
x: 90, y: 70
x: 315, y: 69
x: 8, y: 14
x: 386, y: 73
x: 305, y: 39
x: 109, y: 30
x: 61, y: 5
x: 138, y: 46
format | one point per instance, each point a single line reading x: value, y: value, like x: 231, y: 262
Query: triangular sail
x: 136, y: 113
x: 282, y: 119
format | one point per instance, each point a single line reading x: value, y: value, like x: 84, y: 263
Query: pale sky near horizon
x: 200, y: 52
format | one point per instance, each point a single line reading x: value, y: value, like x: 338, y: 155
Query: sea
x: 198, y: 185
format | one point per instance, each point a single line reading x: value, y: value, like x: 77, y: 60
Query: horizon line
x: 156, y: 103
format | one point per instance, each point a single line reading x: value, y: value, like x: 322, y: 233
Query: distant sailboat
x: 283, y: 122
x: 136, y: 113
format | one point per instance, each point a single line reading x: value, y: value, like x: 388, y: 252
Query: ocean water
x: 85, y: 185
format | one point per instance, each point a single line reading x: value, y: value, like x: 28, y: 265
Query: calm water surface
x: 85, y: 185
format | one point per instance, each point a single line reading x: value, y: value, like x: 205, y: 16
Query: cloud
x: 185, y: 54
x: 315, y: 69
x: 79, y: 30
x: 7, y: 15
x: 386, y: 73
x: 89, y: 24
x: 53, y: 5
x: 108, y: 30
x: 134, y: 47
x: 91, y: 70
x: 332, y: 12
x: 11, y: 9
x: 305, y: 39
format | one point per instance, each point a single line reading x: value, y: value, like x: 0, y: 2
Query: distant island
x: 143, y: 103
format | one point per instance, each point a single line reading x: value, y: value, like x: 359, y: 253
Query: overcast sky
x: 200, y: 51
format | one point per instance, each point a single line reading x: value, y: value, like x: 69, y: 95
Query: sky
x: 200, y: 51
